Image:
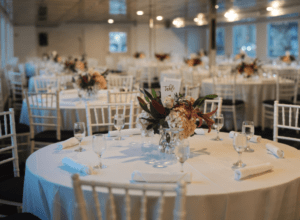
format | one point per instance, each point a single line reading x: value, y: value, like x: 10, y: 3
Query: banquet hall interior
x: 140, y: 108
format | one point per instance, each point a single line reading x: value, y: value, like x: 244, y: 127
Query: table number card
x: 169, y: 88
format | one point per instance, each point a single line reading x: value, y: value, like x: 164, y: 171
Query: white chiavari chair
x: 1, y: 97
x: 148, y: 74
x: 188, y: 76
x: 211, y: 105
x: 122, y: 97
x: 179, y: 212
x: 42, y: 84
x: 286, y: 92
x: 120, y: 82
x: 283, y: 112
x: 16, y: 85
x: 101, y: 116
x: 193, y: 91
x: 136, y: 74
x: 11, y: 190
x: 226, y: 88
x: 44, y: 112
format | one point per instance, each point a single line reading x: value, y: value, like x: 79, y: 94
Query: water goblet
x: 99, y: 146
x: 248, y: 130
x: 219, y: 122
x: 79, y: 133
x: 119, y: 121
x: 239, y: 144
x: 182, y: 152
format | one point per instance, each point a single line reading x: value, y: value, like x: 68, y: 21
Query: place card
x: 169, y: 88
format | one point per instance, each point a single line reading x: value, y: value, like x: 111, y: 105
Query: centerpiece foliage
x: 178, y: 112
x: 92, y: 80
x: 162, y: 56
x: 248, y: 68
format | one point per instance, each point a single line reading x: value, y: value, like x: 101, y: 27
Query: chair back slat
x: 180, y: 200
x: 16, y: 86
x: 120, y: 82
x: 144, y: 206
x: 106, y: 112
x: 122, y: 97
x: 7, y: 122
x: 193, y: 91
x: 284, y: 90
x: 290, y: 111
x: 225, y: 87
x: 97, y: 204
x: 41, y: 84
x: 213, y: 103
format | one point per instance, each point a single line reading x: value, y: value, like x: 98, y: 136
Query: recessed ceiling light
x: 159, y: 18
x: 269, y: 8
x: 231, y: 15
x: 275, y: 4
x: 139, y: 12
x: 216, y: 6
x: 196, y: 19
x: 110, y: 21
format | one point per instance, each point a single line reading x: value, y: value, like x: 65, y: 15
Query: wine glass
x: 182, y: 152
x: 79, y: 133
x: 99, y: 146
x: 219, y: 122
x: 248, y: 130
x: 239, y: 144
x: 119, y: 121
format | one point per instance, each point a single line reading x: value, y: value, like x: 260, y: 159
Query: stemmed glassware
x: 119, y: 121
x: 219, y: 122
x: 79, y: 133
x: 248, y: 130
x: 239, y: 144
x: 99, y: 146
x: 182, y: 152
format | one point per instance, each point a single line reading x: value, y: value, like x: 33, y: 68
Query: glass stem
x: 218, y: 134
x: 100, y: 162
x: 119, y: 134
x: 80, y: 148
x: 181, y: 170
x: 240, y: 157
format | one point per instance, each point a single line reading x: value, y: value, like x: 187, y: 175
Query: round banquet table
x: 212, y: 194
x: 72, y: 109
x: 252, y: 91
x: 198, y: 75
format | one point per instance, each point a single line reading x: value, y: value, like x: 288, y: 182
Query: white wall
x: 25, y: 42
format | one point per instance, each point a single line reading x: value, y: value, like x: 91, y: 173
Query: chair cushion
x: 229, y: 102
x: 21, y: 216
x: 100, y: 132
x: 271, y: 102
x: 12, y: 189
x: 50, y: 136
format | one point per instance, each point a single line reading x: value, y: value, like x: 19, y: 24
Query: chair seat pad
x: 271, y: 102
x: 229, y: 102
x: 12, y: 189
x: 100, y: 132
x: 21, y: 216
x: 50, y: 136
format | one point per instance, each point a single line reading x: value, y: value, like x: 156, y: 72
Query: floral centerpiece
x: 248, y: 68
x: 240, y: 56
x: 178, y: 112
x: 193, y: 62
x: 162, y: 56
x: 288, y: 58
x: 75, y: 65
x: 92, y: 81
x: 139, y: 55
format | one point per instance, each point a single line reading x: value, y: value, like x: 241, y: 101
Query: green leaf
x: 154, y: 93
x: 200, y: 101
x: 212, y: 96
x: 147, y: 99
x: 143, y: 104
x: 148, y: 94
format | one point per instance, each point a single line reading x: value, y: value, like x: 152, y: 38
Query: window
x: 283, y: 37
x: 220, y: 41
x: 3, y: 44
x: 244, y: 37
x: 244, y: 3
x: 118, y: 42
x: 117, y: 7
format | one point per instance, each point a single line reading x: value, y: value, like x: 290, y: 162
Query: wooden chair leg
x: 263, y: 118
x: 32, y: 147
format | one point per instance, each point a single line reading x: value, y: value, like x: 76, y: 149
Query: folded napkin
x: 125, y: 132
x: 251, y: 170
x: 82, y: 162
x: 254, y: 139
x: 151, y: 177
x: 275, y: 150
x: 200, y: 131
x: 67, y: 143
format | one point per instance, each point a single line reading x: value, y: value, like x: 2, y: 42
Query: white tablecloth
x: 253, y: 92
x: 213, y: 193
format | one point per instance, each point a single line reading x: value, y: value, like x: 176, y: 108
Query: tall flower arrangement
x: 179, y: 112
x: 92, y: 80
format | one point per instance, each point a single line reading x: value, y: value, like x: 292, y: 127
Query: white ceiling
x: 62, y: 11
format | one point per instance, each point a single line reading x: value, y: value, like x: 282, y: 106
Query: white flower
x: 142, y: 123
x: 168, y: 102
